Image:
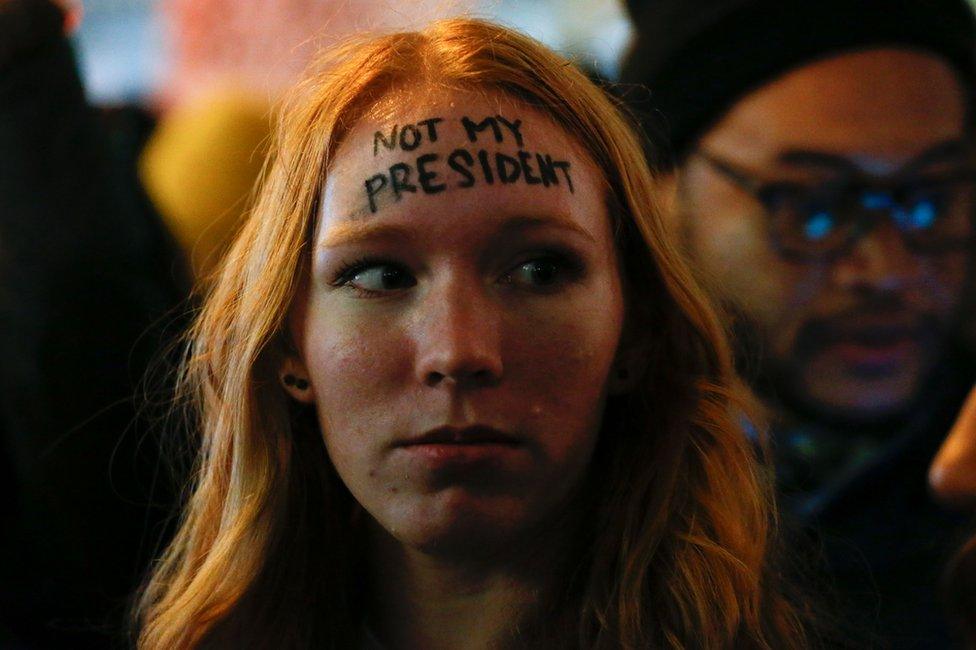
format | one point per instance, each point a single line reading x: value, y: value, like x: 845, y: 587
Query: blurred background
x: 130, y: 49
x: 188, y: 85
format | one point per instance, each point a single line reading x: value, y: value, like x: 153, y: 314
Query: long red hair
x: 678, y: 551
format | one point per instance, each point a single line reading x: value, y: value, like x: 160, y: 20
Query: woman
x: 456, y: 278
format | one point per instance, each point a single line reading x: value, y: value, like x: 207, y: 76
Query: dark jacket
x: 883, y: 540
x: 86, y: 274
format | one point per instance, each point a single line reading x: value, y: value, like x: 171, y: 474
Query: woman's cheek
x: 347, y: 337
x: 355, y: 365
x: 568, y: 356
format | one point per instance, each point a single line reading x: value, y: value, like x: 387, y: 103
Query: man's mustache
x: 875, y: 324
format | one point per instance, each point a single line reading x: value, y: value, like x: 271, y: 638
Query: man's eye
x: 918, y: 215
x: 818, y: 225
x: 371, y: 278
x: 784, y: 197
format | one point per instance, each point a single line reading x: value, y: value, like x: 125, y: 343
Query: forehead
x: 439, y: 150
x: 885, y: 102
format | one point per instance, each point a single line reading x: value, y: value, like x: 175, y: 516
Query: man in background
x: 823, y: 175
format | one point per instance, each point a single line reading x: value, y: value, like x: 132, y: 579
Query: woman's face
x: 461, y: 319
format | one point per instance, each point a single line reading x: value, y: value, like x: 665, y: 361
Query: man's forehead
x: 881, y: 103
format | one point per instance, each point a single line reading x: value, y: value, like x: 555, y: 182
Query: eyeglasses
x: 933, y: 212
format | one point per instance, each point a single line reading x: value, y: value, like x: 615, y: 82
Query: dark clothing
x: 699, y: 57
x: 85, y: 272
x: 884, y: 540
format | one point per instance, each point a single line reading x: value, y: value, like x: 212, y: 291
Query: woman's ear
x: 628, y: 367
x: 292, y: 371
x: 294, y: 378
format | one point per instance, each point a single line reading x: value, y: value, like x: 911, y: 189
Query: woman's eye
x: 543, y: 272
x: 376, y: 278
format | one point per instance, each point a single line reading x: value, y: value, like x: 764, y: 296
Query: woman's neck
x: 423, y: 600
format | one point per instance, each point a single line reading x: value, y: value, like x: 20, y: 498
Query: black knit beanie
x: 698, y: 57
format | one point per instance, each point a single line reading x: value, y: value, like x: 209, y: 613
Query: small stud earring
x: 291, y: 380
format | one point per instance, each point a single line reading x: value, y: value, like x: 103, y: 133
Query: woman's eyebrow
x: 355, y: 232
x: 523, y: 222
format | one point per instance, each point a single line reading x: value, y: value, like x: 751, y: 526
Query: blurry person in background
x: 228, y: 63
x: 85, y: 272
x: 953, y: 480
x: 823, y: 173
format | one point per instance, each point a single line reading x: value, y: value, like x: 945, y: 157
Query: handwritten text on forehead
x: 463, y: 167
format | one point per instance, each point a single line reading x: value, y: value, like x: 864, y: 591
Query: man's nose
x: 878, y: 261
x: 953, y: 472
x: 457, y: 336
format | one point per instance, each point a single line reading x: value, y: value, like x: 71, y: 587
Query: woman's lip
x: 440, y: 464
x: 473, y: 435
x: 460, y: 453
x: 465, y: 455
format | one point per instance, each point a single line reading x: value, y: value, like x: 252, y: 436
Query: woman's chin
x: 455, y: 523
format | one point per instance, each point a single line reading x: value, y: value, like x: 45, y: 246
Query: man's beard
x: 780, y: 384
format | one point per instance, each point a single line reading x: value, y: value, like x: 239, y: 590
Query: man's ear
x: 294, y: 378
x: 666, y: 184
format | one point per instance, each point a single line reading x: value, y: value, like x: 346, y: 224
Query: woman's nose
x: 457, y: 337
x: 953, y: 472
